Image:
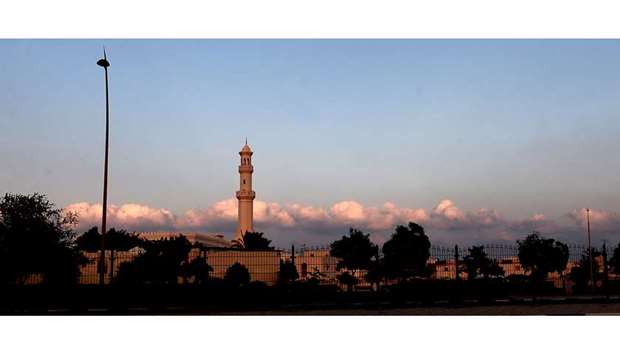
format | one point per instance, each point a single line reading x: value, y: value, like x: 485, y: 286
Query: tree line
x: 38, y: 238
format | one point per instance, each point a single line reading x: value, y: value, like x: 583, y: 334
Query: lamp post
x: 590, y: 250
x: 105, y: 64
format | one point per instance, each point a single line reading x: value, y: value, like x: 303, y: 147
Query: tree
x: 37, y: 238
x: 288, y: 273
x: 118, y: 240
x: 540, y: 256
x: 478, y: 263
x: 614, y: 262
x: 198, y: 269
x: 406, y: 253
x: 115, y: 240
x: 89, y: 241
x: 354, y: 253
x: 253, y: 241
x: 162, y: 262
x: 237, y: 274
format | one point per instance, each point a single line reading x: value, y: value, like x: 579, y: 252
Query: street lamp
x: 105, y: 64
x: 590, y: 251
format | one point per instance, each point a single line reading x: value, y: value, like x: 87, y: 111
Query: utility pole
x: 293, y: 254
x: 591, y: 257
x: 605, y: 270
x: 104, y: 64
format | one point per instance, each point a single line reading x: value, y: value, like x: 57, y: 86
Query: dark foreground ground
x: 572, y: 307
x: 297, y: 300
x: 473, y: 310
x: 469, y: 310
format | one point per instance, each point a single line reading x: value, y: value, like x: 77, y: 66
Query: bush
x: 237, y: 275
x: 288, y: 273
x: 164, y: 261
x: 347, y: 279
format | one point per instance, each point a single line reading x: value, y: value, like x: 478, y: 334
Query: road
x: 500, y: 310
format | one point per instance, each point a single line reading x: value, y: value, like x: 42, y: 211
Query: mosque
x: 245, y: 213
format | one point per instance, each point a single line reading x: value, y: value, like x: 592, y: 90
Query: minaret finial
x: 246, y: 140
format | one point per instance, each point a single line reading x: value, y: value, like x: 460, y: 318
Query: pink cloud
x: 445, y: 221
x: 130, y: 215
x: 600, y: 220
x: 446, y: 209
x: 308, y: 213
x: 447, y: 215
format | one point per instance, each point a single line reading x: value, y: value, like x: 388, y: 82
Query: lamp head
x: 103, y: 62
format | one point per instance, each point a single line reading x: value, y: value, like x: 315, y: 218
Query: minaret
x: 245, y: 195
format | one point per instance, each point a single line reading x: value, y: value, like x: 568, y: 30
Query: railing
x: 317, y: 264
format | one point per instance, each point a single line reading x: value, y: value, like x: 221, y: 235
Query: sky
x: 476, y: 140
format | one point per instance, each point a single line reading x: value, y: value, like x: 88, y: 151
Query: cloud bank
x: 297, y: 223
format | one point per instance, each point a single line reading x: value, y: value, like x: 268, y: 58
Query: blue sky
x: 520, y: 128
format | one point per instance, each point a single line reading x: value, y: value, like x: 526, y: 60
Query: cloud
x: 265, y: 212
x: 446, y: 215
x: 130, y: 215
x: 288, y: 223
x: 447, y: 210
x: 600, y: 221
x: 348, y: 211
x: 222, y: 215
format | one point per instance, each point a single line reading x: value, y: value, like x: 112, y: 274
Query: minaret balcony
x: 246, y: 195
x: 246, y: 169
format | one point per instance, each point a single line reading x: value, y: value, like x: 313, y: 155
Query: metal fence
x: 443, y: 261
x: 317, y: 263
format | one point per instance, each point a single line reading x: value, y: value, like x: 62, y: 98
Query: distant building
x: 314, y: 263
x: 209, y: 240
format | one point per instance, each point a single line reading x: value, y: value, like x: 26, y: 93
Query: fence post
x: 605, y: 272
x: 111, y: 265
x: 456, y: 262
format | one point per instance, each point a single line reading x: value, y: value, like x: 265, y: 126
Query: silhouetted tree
x: 115, y: 240
x: 540, y: 256
x: 354, y: 252
x: 37, y: 238
x: 197, y: 269
x: 478, y: 263
x: 580, y: 274
x: 614, y: 262
x: 406, y: 253
x: 237, y: 274
x: 163, y: 261
x: 119, y: 240
x: 346, y: 278
x: 89, y: 241
x: 288, y: 273
x: 253, y: 241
